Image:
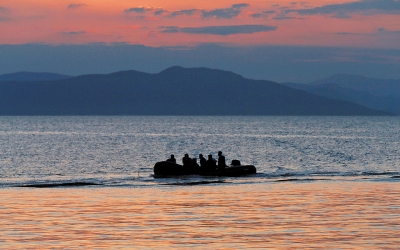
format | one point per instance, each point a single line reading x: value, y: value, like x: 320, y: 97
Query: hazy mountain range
x: 32, y: 76
x: 174, y: 91
x: 378, y: 94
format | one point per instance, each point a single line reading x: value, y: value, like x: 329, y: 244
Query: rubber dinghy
x: 166, y: 169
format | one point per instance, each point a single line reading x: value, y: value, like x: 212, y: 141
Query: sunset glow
x: 364, y: 23
x: 291, y: 216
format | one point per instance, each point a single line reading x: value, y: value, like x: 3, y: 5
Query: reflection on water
x: 325, y: 215
x: 310, y: 191
x: 114, y: 150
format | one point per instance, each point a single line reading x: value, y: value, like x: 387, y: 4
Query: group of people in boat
x: 209, y: 164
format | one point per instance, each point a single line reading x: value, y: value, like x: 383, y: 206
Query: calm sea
x: 322, y: 182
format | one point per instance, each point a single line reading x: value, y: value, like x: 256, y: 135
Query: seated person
x: 172, y: 159
x: 186, y: 161
x: 203, y: 161
x: 221, y: 161
x: 211, y: 163
x: 194, y: 164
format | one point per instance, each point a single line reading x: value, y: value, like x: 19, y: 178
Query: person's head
x: 219, y: 153
x: 172, y: 156
x: 194, y: 160
x: 200, y: 155
x: 186, y: 155
x: 210, y: 157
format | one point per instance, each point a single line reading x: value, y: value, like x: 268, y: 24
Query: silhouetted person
x: 203, y: 161
x: 186, y: 161
x: 221, y: 161
x: 211, y: 163
x: 194, y: 165
x: 172, y: 159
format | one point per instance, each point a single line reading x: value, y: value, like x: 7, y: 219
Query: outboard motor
x: 235, y: 163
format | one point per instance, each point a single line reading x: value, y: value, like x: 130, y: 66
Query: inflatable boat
x: 170, y: 169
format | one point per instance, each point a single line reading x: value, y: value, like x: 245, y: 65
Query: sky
x: 276, y: 40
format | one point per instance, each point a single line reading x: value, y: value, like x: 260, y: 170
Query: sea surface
x: 87, y: 183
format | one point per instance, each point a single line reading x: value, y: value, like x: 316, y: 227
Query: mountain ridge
x: 174, y: 91
x: 378, y: 94
x: 32, y: 76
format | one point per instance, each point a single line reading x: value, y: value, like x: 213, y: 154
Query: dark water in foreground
x: 322, y: 182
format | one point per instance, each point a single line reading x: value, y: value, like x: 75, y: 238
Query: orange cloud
x: 315, y: 22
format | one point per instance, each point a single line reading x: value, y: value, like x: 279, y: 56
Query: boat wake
x: 66, y: 184
x: 193, y: 183
x: 146, y: 178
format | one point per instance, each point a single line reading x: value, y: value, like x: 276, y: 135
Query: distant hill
x: 378, y: 94
x: 174, y: 91
x: 32, y: 76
